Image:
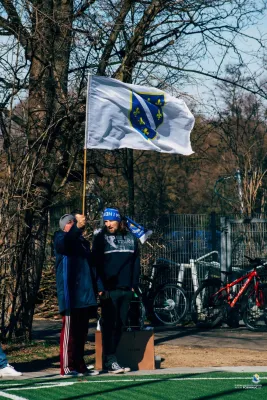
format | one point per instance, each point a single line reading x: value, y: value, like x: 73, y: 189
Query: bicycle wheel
x: 207, y: 309
x: 255, y: 309
x: 169, y: 304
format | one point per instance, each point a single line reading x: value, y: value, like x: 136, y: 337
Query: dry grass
x: 42, y: 352
x: 193, y: 356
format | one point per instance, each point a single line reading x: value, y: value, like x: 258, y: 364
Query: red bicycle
x: 244, y: 298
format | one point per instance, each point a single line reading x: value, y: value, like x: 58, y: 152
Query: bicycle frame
x: 181, y: 267
x: 249, y: 277
x: 192, y: 266
x: 243, y: 298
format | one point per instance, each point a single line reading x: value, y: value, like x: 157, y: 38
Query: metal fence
x: 240, y: 238
x: 195, y: 246
x: 188, y: 245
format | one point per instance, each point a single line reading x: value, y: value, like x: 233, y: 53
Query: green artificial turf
x: 214, y: 385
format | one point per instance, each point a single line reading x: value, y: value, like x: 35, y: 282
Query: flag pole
x: 85, y: 146
x: 84, y: 180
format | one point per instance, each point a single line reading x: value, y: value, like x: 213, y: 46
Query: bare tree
x: 47, y: 49
x: 241, y: 130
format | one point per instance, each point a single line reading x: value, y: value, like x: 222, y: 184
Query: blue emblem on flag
x: 146, y: 114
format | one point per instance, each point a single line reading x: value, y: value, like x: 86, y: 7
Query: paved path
x: 175, y: 336
x: 221, y: 337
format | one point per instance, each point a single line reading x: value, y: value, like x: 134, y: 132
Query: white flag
x: 137, y: 117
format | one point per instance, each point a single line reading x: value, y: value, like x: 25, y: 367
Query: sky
x: 201, y: 92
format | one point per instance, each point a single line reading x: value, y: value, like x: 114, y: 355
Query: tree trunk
x: 29, y: 196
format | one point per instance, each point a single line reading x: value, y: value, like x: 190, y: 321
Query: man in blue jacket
x: 76, y: 292
x: 116, y: 256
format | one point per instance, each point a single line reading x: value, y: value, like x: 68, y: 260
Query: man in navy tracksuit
x: 116, y: 256
x: 76, y: 291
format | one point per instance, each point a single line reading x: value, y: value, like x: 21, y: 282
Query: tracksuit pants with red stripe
x: 72, y: 339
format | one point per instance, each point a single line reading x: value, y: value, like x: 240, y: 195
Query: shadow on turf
x: 220, y: 395
x: 37, y: 381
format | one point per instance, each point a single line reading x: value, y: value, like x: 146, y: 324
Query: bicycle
x: 215, y: 302
x: 165, y: 303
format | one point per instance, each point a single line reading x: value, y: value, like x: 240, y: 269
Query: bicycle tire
x: 207, y: 310
x: 169, y: 305
x: 254, y: 316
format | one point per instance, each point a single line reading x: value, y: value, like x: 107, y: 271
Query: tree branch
x: 258, y: 92
x: 118, y: 26
x: 83, y: 8
x: 14, y: 24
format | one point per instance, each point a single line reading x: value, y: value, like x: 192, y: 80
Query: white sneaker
x: 9, y: 371
x: 126, y: 369
x: 91, y: 372
x: 114, y: 368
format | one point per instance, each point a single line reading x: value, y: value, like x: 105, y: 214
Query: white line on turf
x: 11, y: 396
x: 50, y: 385
x: 62, y: 384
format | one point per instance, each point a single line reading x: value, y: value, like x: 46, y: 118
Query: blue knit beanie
x: 111, y: 214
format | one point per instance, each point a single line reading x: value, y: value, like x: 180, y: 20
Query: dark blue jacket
x: 75, y: 277
x: 117, y: 259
